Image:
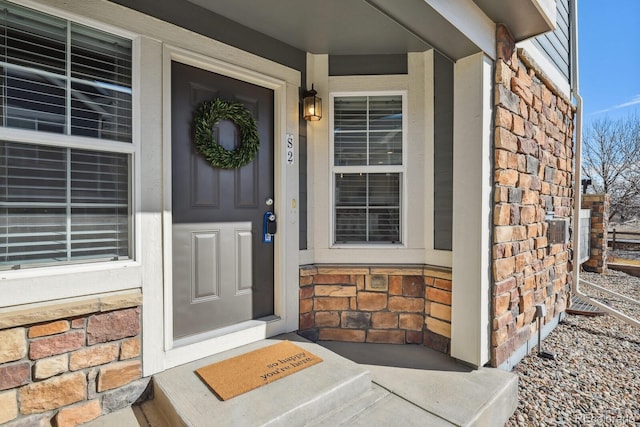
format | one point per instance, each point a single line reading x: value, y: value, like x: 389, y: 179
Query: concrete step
x: 182, y: 399
x: 121, y: 418
x: 395, y: 411
x: 149, y: 415
x: 351, y: 409
x: 481, y: 397
x: 379, y: 407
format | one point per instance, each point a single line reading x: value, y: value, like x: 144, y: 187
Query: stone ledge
x: 28, y: 314
x: 342, y: 270
x: 531, y: 63
x: 389, y: 269
x: 308, y: 270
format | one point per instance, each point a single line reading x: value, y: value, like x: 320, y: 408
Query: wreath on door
x: 208, y: 114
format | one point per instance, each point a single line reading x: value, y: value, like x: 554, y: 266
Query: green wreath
x: 205, y: 118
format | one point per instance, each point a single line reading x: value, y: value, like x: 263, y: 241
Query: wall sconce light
x: 311, y: 105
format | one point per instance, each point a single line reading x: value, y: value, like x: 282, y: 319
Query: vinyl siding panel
x: 556, y: 45
x: 443, y: 153
x: 371, y: 65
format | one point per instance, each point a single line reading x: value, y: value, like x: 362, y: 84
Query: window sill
x: 369, y: 254
x: 67, y: 281
x: 373, y: 246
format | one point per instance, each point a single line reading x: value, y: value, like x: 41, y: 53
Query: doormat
x: 249, y: 371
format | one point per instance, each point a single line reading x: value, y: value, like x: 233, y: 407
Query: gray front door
x: 222, y: 270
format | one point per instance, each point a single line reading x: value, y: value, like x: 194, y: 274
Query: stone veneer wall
x: 533, y: 174
x: 599, y: 205
x: 399, y: 304
x: 68, y: 363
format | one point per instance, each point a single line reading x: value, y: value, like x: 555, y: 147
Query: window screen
x: 62, y: 204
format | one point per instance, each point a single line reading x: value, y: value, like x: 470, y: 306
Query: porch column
x: 472, y: 117
x: 151, y: 205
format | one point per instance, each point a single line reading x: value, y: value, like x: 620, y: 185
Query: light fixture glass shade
x: 312, y: 105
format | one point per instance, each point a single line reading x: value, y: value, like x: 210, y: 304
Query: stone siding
x: 65, y: 368
x: 599, y: 206
x: 399, y: 305
x: 533, y: 177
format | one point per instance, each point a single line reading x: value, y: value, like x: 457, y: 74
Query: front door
x: 222, y: 271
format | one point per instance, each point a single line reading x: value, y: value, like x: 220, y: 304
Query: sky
x: 609, y: 58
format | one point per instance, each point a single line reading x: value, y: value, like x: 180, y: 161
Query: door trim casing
x: 285, y: 317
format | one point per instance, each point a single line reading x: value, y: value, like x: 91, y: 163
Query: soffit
x: 524, y: 18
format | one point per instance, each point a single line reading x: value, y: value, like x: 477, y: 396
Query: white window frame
x: 401, y: 169
x: 55, y: 282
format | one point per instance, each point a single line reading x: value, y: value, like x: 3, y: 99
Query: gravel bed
x: 595, y: 379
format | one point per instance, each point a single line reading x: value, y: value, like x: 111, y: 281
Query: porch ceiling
x: 368, y: 27
x: 348, y: 27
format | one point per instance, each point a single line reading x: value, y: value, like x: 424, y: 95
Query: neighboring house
x: 416, y: 210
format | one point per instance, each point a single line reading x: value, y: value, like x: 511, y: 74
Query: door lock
x: 269, y: 227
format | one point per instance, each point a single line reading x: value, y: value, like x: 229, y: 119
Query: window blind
x: 62, y: 77
x: 368, y: 130
x: 367, y: 147
x: 62, y: 204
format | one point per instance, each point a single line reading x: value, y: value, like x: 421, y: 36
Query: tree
x: 611, y: 159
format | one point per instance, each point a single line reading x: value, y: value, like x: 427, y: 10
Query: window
x: 60, y: 202
x: 368, y: 168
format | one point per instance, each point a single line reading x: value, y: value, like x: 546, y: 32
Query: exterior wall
x: 70, y: 362
x: 398, y: 305
x: 533, y: 175
x: 599, y: 205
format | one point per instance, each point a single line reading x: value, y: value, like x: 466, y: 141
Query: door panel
x: 212, y: 276
x: 203, y: 194
x: 205, y: 264
x: 223, y: 272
